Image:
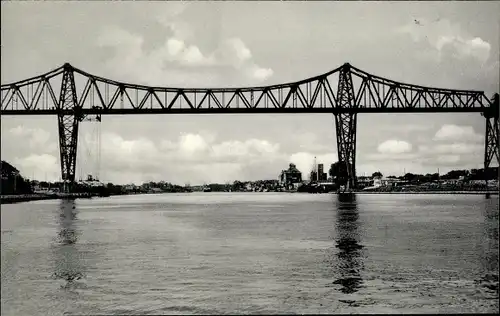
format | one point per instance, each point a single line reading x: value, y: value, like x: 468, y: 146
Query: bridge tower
x: 345, y: 124
x: 68, y: 116
x: 492, y: 141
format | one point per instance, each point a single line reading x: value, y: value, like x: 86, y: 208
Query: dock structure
x: 8, y: 199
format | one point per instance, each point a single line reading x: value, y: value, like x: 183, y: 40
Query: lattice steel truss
x: 372, y: 94
x: 345, y: 124
x: 492, y: 139
x: 82, y: 94
x: 69, y: 115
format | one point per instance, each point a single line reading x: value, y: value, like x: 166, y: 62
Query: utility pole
x: 315, y: 170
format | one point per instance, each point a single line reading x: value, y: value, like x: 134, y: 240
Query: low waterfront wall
x: 428, y: 192
x: 7, y: 199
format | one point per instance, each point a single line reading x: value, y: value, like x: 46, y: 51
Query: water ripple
x: 250, y: 254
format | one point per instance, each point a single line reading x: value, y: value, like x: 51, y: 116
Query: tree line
x: 338, y: 173
x: 12, y: 181
x: 465, y: 175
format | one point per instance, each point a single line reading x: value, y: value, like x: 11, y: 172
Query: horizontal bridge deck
x: 247, y: 111
x: 360, y: 92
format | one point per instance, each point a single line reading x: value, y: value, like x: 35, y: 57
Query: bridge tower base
x: 68, y: 118
x: 346, y: 144
x: 492, y: 139
x: 345, y: 124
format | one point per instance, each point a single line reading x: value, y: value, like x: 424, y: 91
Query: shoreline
x: 432, y: 192
x: 11, y: 199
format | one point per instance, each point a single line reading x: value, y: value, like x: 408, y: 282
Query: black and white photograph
x: 249, y: 157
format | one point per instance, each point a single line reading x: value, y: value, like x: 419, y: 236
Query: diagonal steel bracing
x: 357, y: 92
x: 345, y: 124
x: 492, y: 140
x: 68, y: 127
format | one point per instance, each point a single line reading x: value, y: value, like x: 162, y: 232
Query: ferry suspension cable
x: 91, y: 160
x: 92, y: 142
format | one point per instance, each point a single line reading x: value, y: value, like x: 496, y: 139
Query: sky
x: 453, y: 45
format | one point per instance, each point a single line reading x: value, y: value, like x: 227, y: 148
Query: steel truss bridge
x: 73, y: 94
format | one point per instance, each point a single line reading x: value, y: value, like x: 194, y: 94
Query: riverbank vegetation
x: 13, y: 183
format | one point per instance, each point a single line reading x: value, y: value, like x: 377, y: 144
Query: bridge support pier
x: 492, y: 137
x: 68, y: 119
x: 345, y: 124
x: 346, y: 144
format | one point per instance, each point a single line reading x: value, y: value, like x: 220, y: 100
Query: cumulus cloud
x: 18, y: 130
x: 200, y: 158
x: 164, y: 65
x: 234, y: 52
x: 448, y: 39
x: 260, y: 74
x: 454, y: 148
x: 450, y: 132
x: 392, y: 150
x: 42, y: 167
x: 394, y: 158
x: 405, y: 127
x: 393, y: 146
x: 30, y: 140
x: 252, y: 148
x: 448, y: 159
x: 177, y: 51
x: 475, y: 47
x: 36, y: 137
x: 190, y: 144
x: 311, y: 142
x: 191, y: 157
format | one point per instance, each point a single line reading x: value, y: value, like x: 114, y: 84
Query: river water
x: 246, y: 253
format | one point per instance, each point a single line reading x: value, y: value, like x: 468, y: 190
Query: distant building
x: 91, y: 182
x: 130, y: 188
x: 290, y: 176
x: 363, y: 182
x: 321, y: 172
x: 377, y: 182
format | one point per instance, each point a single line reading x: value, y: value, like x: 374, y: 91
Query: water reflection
x: 349, y: 256
x: 68, y: 263
x: 489, y: 274
x: 490, y: 236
